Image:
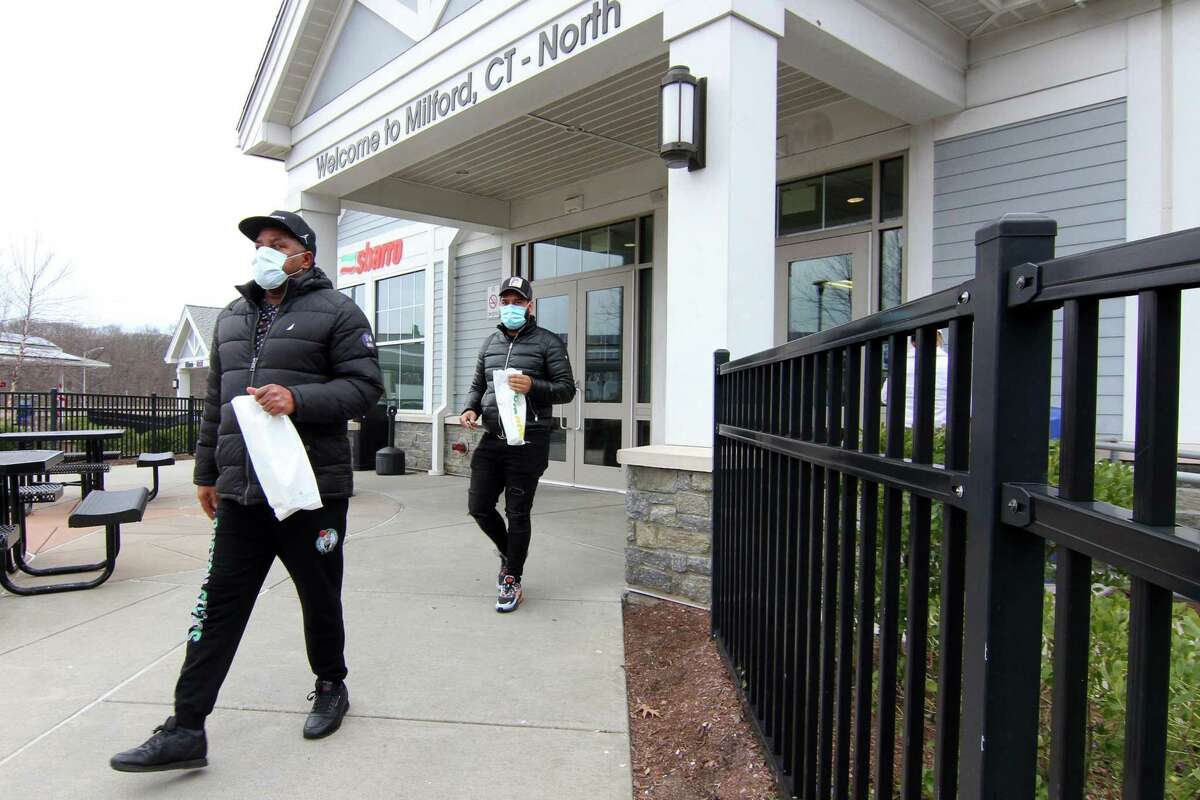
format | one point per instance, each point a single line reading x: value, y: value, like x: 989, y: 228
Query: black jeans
x: 245, y: 543
x: 497, y: 467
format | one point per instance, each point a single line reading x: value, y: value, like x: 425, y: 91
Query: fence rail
x: 850, y: 570
x: 152, y: 423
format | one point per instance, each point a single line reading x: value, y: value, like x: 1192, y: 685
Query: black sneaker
x: 171, y: 747
x: 331, y: 701
x: 510, y: 596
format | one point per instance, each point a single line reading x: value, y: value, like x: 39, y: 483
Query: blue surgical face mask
x: 513, y: 317
x: 268, y: 267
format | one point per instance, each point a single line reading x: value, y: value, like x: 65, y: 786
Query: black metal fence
x: 823, y: 512
x: 152, y: 423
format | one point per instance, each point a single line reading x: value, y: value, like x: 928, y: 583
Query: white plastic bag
x: 511, y: 404
x: 279, y: 459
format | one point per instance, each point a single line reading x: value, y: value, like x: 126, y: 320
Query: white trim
x: 1087, y: 92
x: 411, y: 23
x: 430, y: 280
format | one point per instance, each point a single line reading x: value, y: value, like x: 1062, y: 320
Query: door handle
x: 579, y: 417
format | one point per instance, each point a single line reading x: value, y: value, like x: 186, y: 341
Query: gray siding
x: 439, y: 329
x: 472, y: 275
x: 355, y: 226
x: 1070, y: 166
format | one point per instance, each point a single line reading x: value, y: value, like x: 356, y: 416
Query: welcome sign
x: 575, y: 31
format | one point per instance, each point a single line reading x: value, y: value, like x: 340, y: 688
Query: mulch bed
x: 691, y: 740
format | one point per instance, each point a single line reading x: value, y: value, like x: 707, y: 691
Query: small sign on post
x: 493, y: 301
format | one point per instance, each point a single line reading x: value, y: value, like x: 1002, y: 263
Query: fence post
x: 719, y: 357
x: 155, y: 423
x: 191, y: 425
x: 1004, y: 564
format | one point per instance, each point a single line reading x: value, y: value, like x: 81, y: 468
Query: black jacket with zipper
x: 319, y: 347
x: 536, y: 352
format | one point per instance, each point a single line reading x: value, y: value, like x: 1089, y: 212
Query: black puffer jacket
x: 320, y: 347
x: 539, y: 354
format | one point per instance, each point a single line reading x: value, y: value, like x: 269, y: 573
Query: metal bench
x: 110, y: 509
x: 154, y: 461
x: 88, y: 474
x: 41, y: 493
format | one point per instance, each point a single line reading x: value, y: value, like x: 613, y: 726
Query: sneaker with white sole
x: 510, y: 596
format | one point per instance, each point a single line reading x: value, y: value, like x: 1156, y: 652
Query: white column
x: 1185, y: 206
x: 918, y: 261
x: 721, y: 219
x: 184, y: 376
x: 1162, y: 128
x: 321, y: 214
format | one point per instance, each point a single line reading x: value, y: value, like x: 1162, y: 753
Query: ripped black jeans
x: 497, y: 467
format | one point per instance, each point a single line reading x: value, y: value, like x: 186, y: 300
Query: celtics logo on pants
x: 326, y: 541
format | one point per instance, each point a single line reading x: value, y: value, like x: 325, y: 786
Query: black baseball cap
x: 292, y: 223
x: 519, y: 285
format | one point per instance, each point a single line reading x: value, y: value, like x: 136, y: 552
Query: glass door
x: 824, y: 283
x: 605, y: 373
x: 556, y: 312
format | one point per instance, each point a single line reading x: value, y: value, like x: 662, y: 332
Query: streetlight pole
x: 85, y: 355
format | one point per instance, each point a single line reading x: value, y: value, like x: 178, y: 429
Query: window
x: 400, y: 331
x: 891, y: 189
x: 870, y: 198
x: 826, y: 201
x: 891, y: 267
x: 599, y: 248
x: 645, y: 240
x: 358, y: 294
x: 645, y: 353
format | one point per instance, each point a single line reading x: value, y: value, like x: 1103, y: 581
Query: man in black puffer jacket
x: 497, y: 467
x: 305, y: 350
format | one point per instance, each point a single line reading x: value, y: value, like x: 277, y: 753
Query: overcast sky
x: 118, y: 147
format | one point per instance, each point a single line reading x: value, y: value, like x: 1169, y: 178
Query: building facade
x: 853, y: 148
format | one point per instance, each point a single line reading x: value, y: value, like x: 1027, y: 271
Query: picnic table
x: 101, y: 508
x: 15, y: 465
x: 92, y: 471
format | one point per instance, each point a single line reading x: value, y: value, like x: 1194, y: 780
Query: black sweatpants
x: 245, y: 543
x: 498, y: 467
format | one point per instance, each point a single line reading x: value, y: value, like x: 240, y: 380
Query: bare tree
x: 35, y: 278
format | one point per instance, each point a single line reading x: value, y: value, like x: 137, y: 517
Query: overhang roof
x: 41, y: 351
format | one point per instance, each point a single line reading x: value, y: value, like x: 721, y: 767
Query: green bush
x: 1108, y: 651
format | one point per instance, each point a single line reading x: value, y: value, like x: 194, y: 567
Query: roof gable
x: 320, y: 49
x: 364, y: 43
x: 193, y: 334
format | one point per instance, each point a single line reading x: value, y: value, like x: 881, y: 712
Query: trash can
x: 24, y: 415
x: 369, y: 438
x: 390, y: 460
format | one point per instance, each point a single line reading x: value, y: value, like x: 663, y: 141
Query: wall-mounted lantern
x: 681, y: 119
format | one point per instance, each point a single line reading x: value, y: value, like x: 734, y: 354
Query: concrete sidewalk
x: 449, y: 699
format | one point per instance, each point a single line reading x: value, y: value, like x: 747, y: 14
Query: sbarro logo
x: 371, y: 258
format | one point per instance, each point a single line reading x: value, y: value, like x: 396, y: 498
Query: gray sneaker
x: 510, y: 596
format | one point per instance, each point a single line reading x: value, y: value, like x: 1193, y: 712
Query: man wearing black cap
x: 497, y: 466
x: 303, y: 349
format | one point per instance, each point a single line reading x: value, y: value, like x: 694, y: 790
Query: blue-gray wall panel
x: 1070, y: 166
x: 473, y: 275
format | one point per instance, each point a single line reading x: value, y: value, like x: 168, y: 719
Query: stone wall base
x: 669, y: 540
